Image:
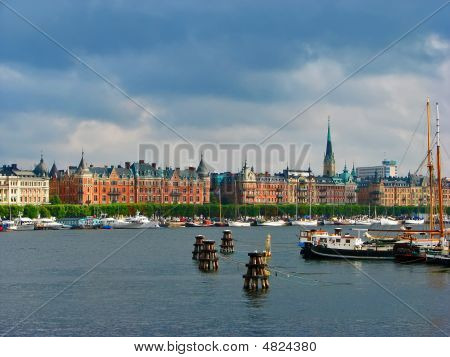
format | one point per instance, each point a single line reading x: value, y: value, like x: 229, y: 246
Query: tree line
x: 207, y: 210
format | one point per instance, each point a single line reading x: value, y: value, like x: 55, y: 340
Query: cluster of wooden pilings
x: 197, y: 246
x: 256, y: 272
x: 208, y: 260
x: 257, y: 276
x: 227, y: 246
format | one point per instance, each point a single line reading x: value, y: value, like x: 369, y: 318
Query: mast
x: 439, y: 183
x: 430, y: 168
x: 296, y: 199
x: 310, y: 197
x: 220, y: 206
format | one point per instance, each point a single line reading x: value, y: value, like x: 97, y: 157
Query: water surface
x: 151, y: 287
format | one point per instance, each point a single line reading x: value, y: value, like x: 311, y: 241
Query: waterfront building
x: 388, y: 168
x: 412, y: 190
x: 338, y: 189
x: 24, y: 187
x: 133, y: 183
x: 249, y: 187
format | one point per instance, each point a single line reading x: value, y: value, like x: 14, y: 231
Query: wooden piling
x: 256, y: 272
x: 208, y: 260
x: 197, y: 246
x: 227, y: 246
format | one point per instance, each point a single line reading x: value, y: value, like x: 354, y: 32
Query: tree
x: 55, y: 200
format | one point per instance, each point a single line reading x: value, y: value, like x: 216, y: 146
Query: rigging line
x: 92, y: 69
x: 412, y: 137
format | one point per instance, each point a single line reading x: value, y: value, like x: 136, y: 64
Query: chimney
x: 141, y: 161
x: 191, y: 168
x: 154, y: 165
x: 127, y: 165
x: 14, y: 166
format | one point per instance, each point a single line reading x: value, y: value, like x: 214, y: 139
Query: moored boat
x: 239, y: 223
x: 324, y: 245
x: 304, y: 222
x: 277, y: 223
x: 24, y: 224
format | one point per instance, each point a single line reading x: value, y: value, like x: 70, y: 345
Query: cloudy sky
x: 221, y: 72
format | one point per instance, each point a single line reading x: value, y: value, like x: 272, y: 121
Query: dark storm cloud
x: 201, y: 64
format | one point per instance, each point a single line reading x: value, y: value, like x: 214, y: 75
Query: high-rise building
x: 388, y: 168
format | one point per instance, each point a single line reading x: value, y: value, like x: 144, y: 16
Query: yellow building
x: 24, y: 187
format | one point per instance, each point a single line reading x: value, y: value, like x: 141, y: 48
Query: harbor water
x: 148, y: 285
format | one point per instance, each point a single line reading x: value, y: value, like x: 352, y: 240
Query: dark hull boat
x: 439, y: 259
x: 407, y: 252
x: 311, y: 251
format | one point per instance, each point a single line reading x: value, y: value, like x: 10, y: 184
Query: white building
x: 388, y: 168
x: 22, y: 187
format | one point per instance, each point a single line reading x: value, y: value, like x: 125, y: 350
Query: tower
x: 328, y: 161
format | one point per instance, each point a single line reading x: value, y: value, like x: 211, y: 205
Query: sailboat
x: 440, y: 255
x: 237, y: 222
x: 309, y: 222
x: 411, y: 248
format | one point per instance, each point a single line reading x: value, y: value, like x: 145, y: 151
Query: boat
x: 440, y: 255
x: 389, y: 221
x: 239, y: 223
x: 9, y: 226
x: 415, y: 221
x: 420, y: 245
x: 305, y: 222
x: 364, y: 222
x: 324, y: 245
x: 138, y: 222
x: 277, y: 223
x: 48, y: 224
x: 24, y: 224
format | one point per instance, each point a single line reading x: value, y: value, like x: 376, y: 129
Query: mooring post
x: 227, y: 246
x: 208, y: 259
x: 197, y: 246
x: 256, y: 272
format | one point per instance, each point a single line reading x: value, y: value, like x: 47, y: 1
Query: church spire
x: 328, y: 161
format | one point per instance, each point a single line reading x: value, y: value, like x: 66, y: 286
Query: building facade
x: 134, y: 183
x: 412, y: 190
x: 24, y: 187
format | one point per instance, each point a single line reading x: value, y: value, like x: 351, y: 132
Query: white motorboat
x: 415, y: 221
x: 115, y: 223
x: 305, y: 222
x: 24, y: 224
x: 388, y: 221
x: 364, y: 222
x: 140, y: 222
x: 48, y: 223
x: 238, y: 224
x: 277, y: 223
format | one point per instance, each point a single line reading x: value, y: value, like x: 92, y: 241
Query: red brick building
x: 139, y: 182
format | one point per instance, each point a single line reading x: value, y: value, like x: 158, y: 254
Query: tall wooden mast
x: 430, y: 169
x: 439, y: 183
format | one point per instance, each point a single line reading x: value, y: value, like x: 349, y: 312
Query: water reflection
x: 437, y: 278
x: 255, y: 298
